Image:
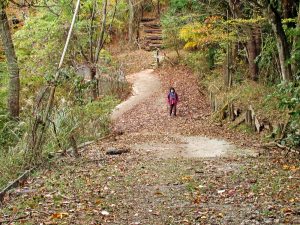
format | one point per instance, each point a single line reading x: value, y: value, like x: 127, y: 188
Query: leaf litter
x: 142, y: 187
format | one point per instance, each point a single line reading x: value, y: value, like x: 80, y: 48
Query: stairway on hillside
x: 151, y: 34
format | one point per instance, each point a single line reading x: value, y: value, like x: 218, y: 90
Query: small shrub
x: 198, y: 62
x: 288, y: 95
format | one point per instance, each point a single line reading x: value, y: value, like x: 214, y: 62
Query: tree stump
x: 74, y: 146
x: 231, y: 111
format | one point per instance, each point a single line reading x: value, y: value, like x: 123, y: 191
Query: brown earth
x: 151, y: 184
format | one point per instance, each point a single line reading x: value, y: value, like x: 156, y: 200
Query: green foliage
x: 85, y: 123
x: 171, y: 27
x: 39, y: 44
x: 288, y: 95
x: 181, y: 6
x: 203, y: 62
x: 3, y: 84
x: 179, y: 14
x: 11, y: 167
x: 37, y: 41
x: 198, y: 62
x: 266, y: 61
x: 295, y: 57
x: 11, y: 131
x: 199, y: 35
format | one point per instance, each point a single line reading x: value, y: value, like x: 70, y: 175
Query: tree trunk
x: 101, y: 38
x: 12, y: 64
x: 94, y: 87
x: 252, y: 43
x: 134, y: 20
x: 296, y: 44
x: 227, y: 76
x: 258, y: 39
x: 252, y: 54
x: 74, y: 145
x: 282, y: 42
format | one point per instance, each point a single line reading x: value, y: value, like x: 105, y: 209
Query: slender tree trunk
x: 252, y: 43
x: 252, y: 54
x: 12, y: 63
x: 296, y: 63
x: 94, y: 91
x: 134, y: 20
x: 258, y: 39
x: 92, y: 29
x: 282, y: 42
x: 101, y: 39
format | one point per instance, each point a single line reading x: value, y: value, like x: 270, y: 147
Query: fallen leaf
x: 221, y: 191
x: 59, y: 215
x: 104, y: 213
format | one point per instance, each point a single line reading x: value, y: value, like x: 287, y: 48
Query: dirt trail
x: 144, y: 84
x: 147, y: 88
x: 179, y: 171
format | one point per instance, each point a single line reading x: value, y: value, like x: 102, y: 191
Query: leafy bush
x: 84, y: 122
x: 11, y: 167
x: 266, y: 61
x: 171, y: 26
x: 181, y: 6
x: 198, y: 62
x: 288, y: 95
x: 11, y: 131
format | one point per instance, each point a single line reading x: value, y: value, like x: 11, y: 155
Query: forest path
x: 159, y: 181
x: 147, y: 87
x: 144, y: 84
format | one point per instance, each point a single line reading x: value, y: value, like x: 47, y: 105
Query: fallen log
x: 116, y: 151
x: 11, y: 220
x: 71, y: 150
x: 241, y: 119
x: 275, y: 144
x: 15, y: 183
x: 222, y: 112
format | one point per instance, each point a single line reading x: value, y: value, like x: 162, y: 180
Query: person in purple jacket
x: 172, y: 101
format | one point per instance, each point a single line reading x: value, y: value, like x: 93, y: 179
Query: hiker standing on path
x: 172, y: 101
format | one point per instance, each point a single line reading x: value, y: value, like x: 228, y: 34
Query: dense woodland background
x: 245, y: 53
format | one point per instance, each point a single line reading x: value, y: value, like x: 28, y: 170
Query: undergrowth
x: 86, y: 122
x: 277, y: 104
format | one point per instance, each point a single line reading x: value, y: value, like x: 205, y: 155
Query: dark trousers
x: 173, y: 109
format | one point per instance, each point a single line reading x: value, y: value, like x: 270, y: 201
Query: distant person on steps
x: 172, y: 101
